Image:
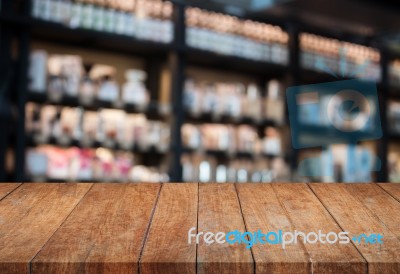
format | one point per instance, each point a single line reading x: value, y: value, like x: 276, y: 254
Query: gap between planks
x: 148, y: 228
x: 329, y: 212
x: 8, y: 188
x: 245, y: 226
x: 383, y: 186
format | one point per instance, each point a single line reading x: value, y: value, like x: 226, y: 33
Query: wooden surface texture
x: 145, y: 228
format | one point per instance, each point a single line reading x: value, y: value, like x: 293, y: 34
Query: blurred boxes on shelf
x: 143, y: 19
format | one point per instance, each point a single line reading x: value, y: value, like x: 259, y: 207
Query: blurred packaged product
x: 58, y: 165
x: 337, y: 57
x: 65, y: 73
x: 139, y: 131
x: 225, y: 34
x: 341, y: 163
x: 252, y: 104
x: 36, y: 164
x: 393, y: 113
x: 187, y: 168
x: 148, y: 20
x: 394, y: 165
x: 206, y: 171
x: 69, y: 125
x: 394, y: 73
x: 127, y: 138
x: 108, y: 127
x: 81, y: 165
x: 230, y: 99
x: 274, y: 107
x: 192, y: 97
x: 46, y: 118
x: 108, y: 89
x: 221, y: 174
x: 200, y: 168
x: 280, y: 171
x: 101, y: 164
x: 134, y: 90
x: 191, y: 136
x: 38, y: 71
x: 357, y: 162
x: 234, y: 100
x: 271, y: 143
x: 231, y: 139
x: 145, y: 174
x: 247, y: 139
x: 218, y: 137
x: 158, y: 136
x: 66, y: 76
x: 33, y: 119
x: 90, y: 127
x: 87, y: 94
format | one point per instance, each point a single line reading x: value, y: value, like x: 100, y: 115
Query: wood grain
x: 29, y: 216
x: 6, y: 188
x: 104, y: 234
x: 353, y: 217
x: 392, y: 189
x: 307, y: 214
x: 262, y: 211
x: 167, y: 249
x: 219, y: 211
x: 126, y: 228
x: 380, y: 203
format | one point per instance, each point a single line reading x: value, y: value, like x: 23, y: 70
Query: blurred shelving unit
x: 177, y: 56
x: 392, y: 102
x: 340, y: 55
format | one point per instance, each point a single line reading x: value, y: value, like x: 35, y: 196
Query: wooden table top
x: 143, y: 228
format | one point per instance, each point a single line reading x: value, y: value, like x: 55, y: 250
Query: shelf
x: 320, y: 135
x: 231, y: 63
x: 13, y: 19
x: 309, y: 76
x: 151, y: 111
x: 394, y: 137
x: 74, y: 143
x: 225, y: 119
x: 58, y: 32
x: 394, y: 92
x: 87, y: 38
x: 232, y: 155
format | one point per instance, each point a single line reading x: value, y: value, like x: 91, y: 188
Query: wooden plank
x: 309, y: 215
x: 6, y: 188
x: 393, y: 189
x: 29, y: 216
x: 380, y: 203
x: 104, y: 234
x: 21, y: 202
x: 263, y: 211
x: 219, y: 211
x: 353, y: 217
x: 167, y: 249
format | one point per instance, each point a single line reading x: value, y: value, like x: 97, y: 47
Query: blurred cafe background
x: 191, y: 91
